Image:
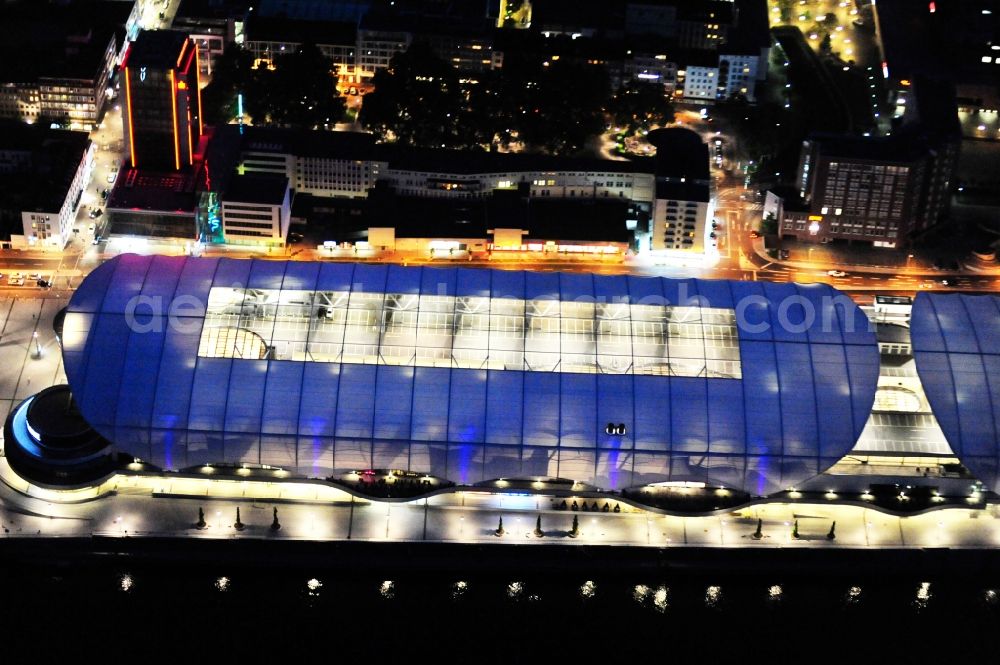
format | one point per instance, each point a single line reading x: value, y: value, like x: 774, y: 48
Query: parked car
x: 836, y: 273
x: 15, y: 281
x: 44, y: 283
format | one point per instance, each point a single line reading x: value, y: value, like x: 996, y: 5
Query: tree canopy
x: 297, y: 90
x: 554, y: 106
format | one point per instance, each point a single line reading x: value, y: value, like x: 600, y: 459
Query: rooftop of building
x: 362, y: 146
x: 683, y: 191
x: 562, y: 220
x: 680, y: 153
x: 896, y: 148
x: 68, y: 43
x: 264, y: 189
x: 892, y: 333
x: 172, y: 192
x: 300, y: 31
x: 42, y: 181
x: 933, y: 108
x: 315, y: 10
x: 462, y: 162
x: 196, y: 9
x: 159, y: 49
x: 954, y: 41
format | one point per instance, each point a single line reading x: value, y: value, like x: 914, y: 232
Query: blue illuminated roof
x: 956, y: 344
x: 157, y: 374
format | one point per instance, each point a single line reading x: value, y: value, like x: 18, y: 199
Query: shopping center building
x: 469, y: 375
x: 472, y: 376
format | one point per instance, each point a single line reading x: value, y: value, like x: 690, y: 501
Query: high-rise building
x: 162, y: 119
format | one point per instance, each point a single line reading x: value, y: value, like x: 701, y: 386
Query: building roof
x: 52, y: 159
x: 427, y: 217
x: 172, y: 192
x: 956, y: 345
x: 265, y: 189
x: 895, y: 149
x: 212, y: 9
x: 406, y: 158
x: 362, y: 146
x: 682, y: 191
x: 438, y: 393
x: 159, y: 49
x: 680, y: 153
x: 68, y: 43
x: 300, y: 31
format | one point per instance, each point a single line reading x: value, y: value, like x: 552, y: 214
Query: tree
x: 759, y: 533
x: 538, y: 527
x: 232, y: 75
x: 294, y: 90
x: 417, y: 100
x: 769, y: 225
x: 575, y: 531
x: 833, y: 531
x: 275, y: 525
x: 639, y: 105
x: 201, y: 524
x: 300, y: 91
x: 499, y: 530
x: 795, y: 530
x: 567, y: 108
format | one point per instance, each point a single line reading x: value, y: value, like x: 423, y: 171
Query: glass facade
x: 956, y: 345
x: 469, y: 374
x: 474, y: 332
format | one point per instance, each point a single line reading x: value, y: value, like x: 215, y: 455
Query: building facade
x: 470, y: 375
x: 162, y: 116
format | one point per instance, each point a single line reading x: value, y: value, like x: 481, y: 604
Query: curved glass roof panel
x: 956, y: 345
x: 469, y: 374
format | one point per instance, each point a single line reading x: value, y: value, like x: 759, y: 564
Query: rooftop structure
x: 469, y: 374
x: 42, y: 175
x: 956, y: 343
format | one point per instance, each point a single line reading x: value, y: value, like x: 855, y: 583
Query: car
x: 16, y: 275
x: 944, y: 282
x: 112, y: 176
x: 91, y: 227
x: 104, y: 193
x: 755, y: 234
x: 35, y: 276
x: 784, y: 253
x: 15, y: 281
x: 836, y: 273
x: 352, y: 90
x: 93, y: 214
x: 43, y: 283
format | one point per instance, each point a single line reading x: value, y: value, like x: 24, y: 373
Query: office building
x: 162, y: 115
x: 42, y: 176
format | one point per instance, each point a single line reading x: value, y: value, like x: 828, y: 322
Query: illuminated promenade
x: 136, y: 506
